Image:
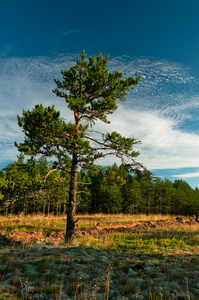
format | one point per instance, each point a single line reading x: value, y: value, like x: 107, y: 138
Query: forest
x: 25, y: 188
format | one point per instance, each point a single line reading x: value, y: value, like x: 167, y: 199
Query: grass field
x: 156, y: 263
x: 43, y: 223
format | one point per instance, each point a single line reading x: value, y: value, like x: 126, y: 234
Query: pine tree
x: 90, y: 92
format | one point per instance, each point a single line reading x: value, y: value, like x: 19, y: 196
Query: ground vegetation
x: 156, y: 258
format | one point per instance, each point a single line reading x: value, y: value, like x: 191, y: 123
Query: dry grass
x: 40, y: 222
x: 127, y: 250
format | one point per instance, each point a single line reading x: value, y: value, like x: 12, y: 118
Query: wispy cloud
x: 68, y: 32
x: 186, y: 175
x: 163, y: 145
x: 155, y: 111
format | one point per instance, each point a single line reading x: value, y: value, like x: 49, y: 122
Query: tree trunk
x: 34, y: 207
x: 196, y: 217
x: 57, y: 208
x: 65, y: 208
x: 24, y: 208
x: 44, y: 207
x: 12, y: 208
x: 148, y: 211
x: 48, y: 209
x: 70, y: 227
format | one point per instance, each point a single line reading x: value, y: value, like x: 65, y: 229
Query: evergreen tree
x: 196, y: 203
x: 137, y: 199
x: 168, y: 198
x: 184, y: 197
x: 110, y: 190
x: 83, y: 192
x: 96, y: 176
x: 146, y: 180
x: 3, y: 188
x: 90, y: 92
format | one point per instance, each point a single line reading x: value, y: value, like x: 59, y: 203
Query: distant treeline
x: 25, y: 188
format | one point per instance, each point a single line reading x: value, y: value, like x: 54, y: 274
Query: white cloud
x: 186, y: 175
x: 163, y: 145
x: 154, y: 111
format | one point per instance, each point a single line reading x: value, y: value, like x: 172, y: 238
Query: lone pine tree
x: 91, y: 93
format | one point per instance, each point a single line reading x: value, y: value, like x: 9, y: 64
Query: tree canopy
x: 109, y: 189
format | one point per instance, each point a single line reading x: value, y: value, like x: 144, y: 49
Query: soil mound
x: 146, y: 225
x: 39, y: 237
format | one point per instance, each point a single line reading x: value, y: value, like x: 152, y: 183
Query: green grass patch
x: 29, y: 228
x: 153, y: 241
x: 158, y: 242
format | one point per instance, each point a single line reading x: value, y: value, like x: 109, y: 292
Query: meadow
x: 40, y: 222
x: 150, y: 262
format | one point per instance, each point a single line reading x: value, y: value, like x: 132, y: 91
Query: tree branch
x: 96, y: 141
x: 83, y: 192
x: 45, y: 177
x: 90, y: 130
x: 53, y: 170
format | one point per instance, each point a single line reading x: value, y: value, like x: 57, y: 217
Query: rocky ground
x: 38, y: 266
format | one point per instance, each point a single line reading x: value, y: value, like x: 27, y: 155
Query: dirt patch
x: 39, y: 237
x: 147, y: 225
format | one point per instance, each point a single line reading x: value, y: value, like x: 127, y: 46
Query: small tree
x: 90, y: 92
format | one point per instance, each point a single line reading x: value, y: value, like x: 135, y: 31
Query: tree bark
x: 70, y: 227
x: 57, y: 208
x: 34, y: 207
x: 65, y: 208
x: 48, y: 208
x: 44, y: 207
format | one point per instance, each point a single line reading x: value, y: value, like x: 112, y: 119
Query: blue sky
x: 159, y: 39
